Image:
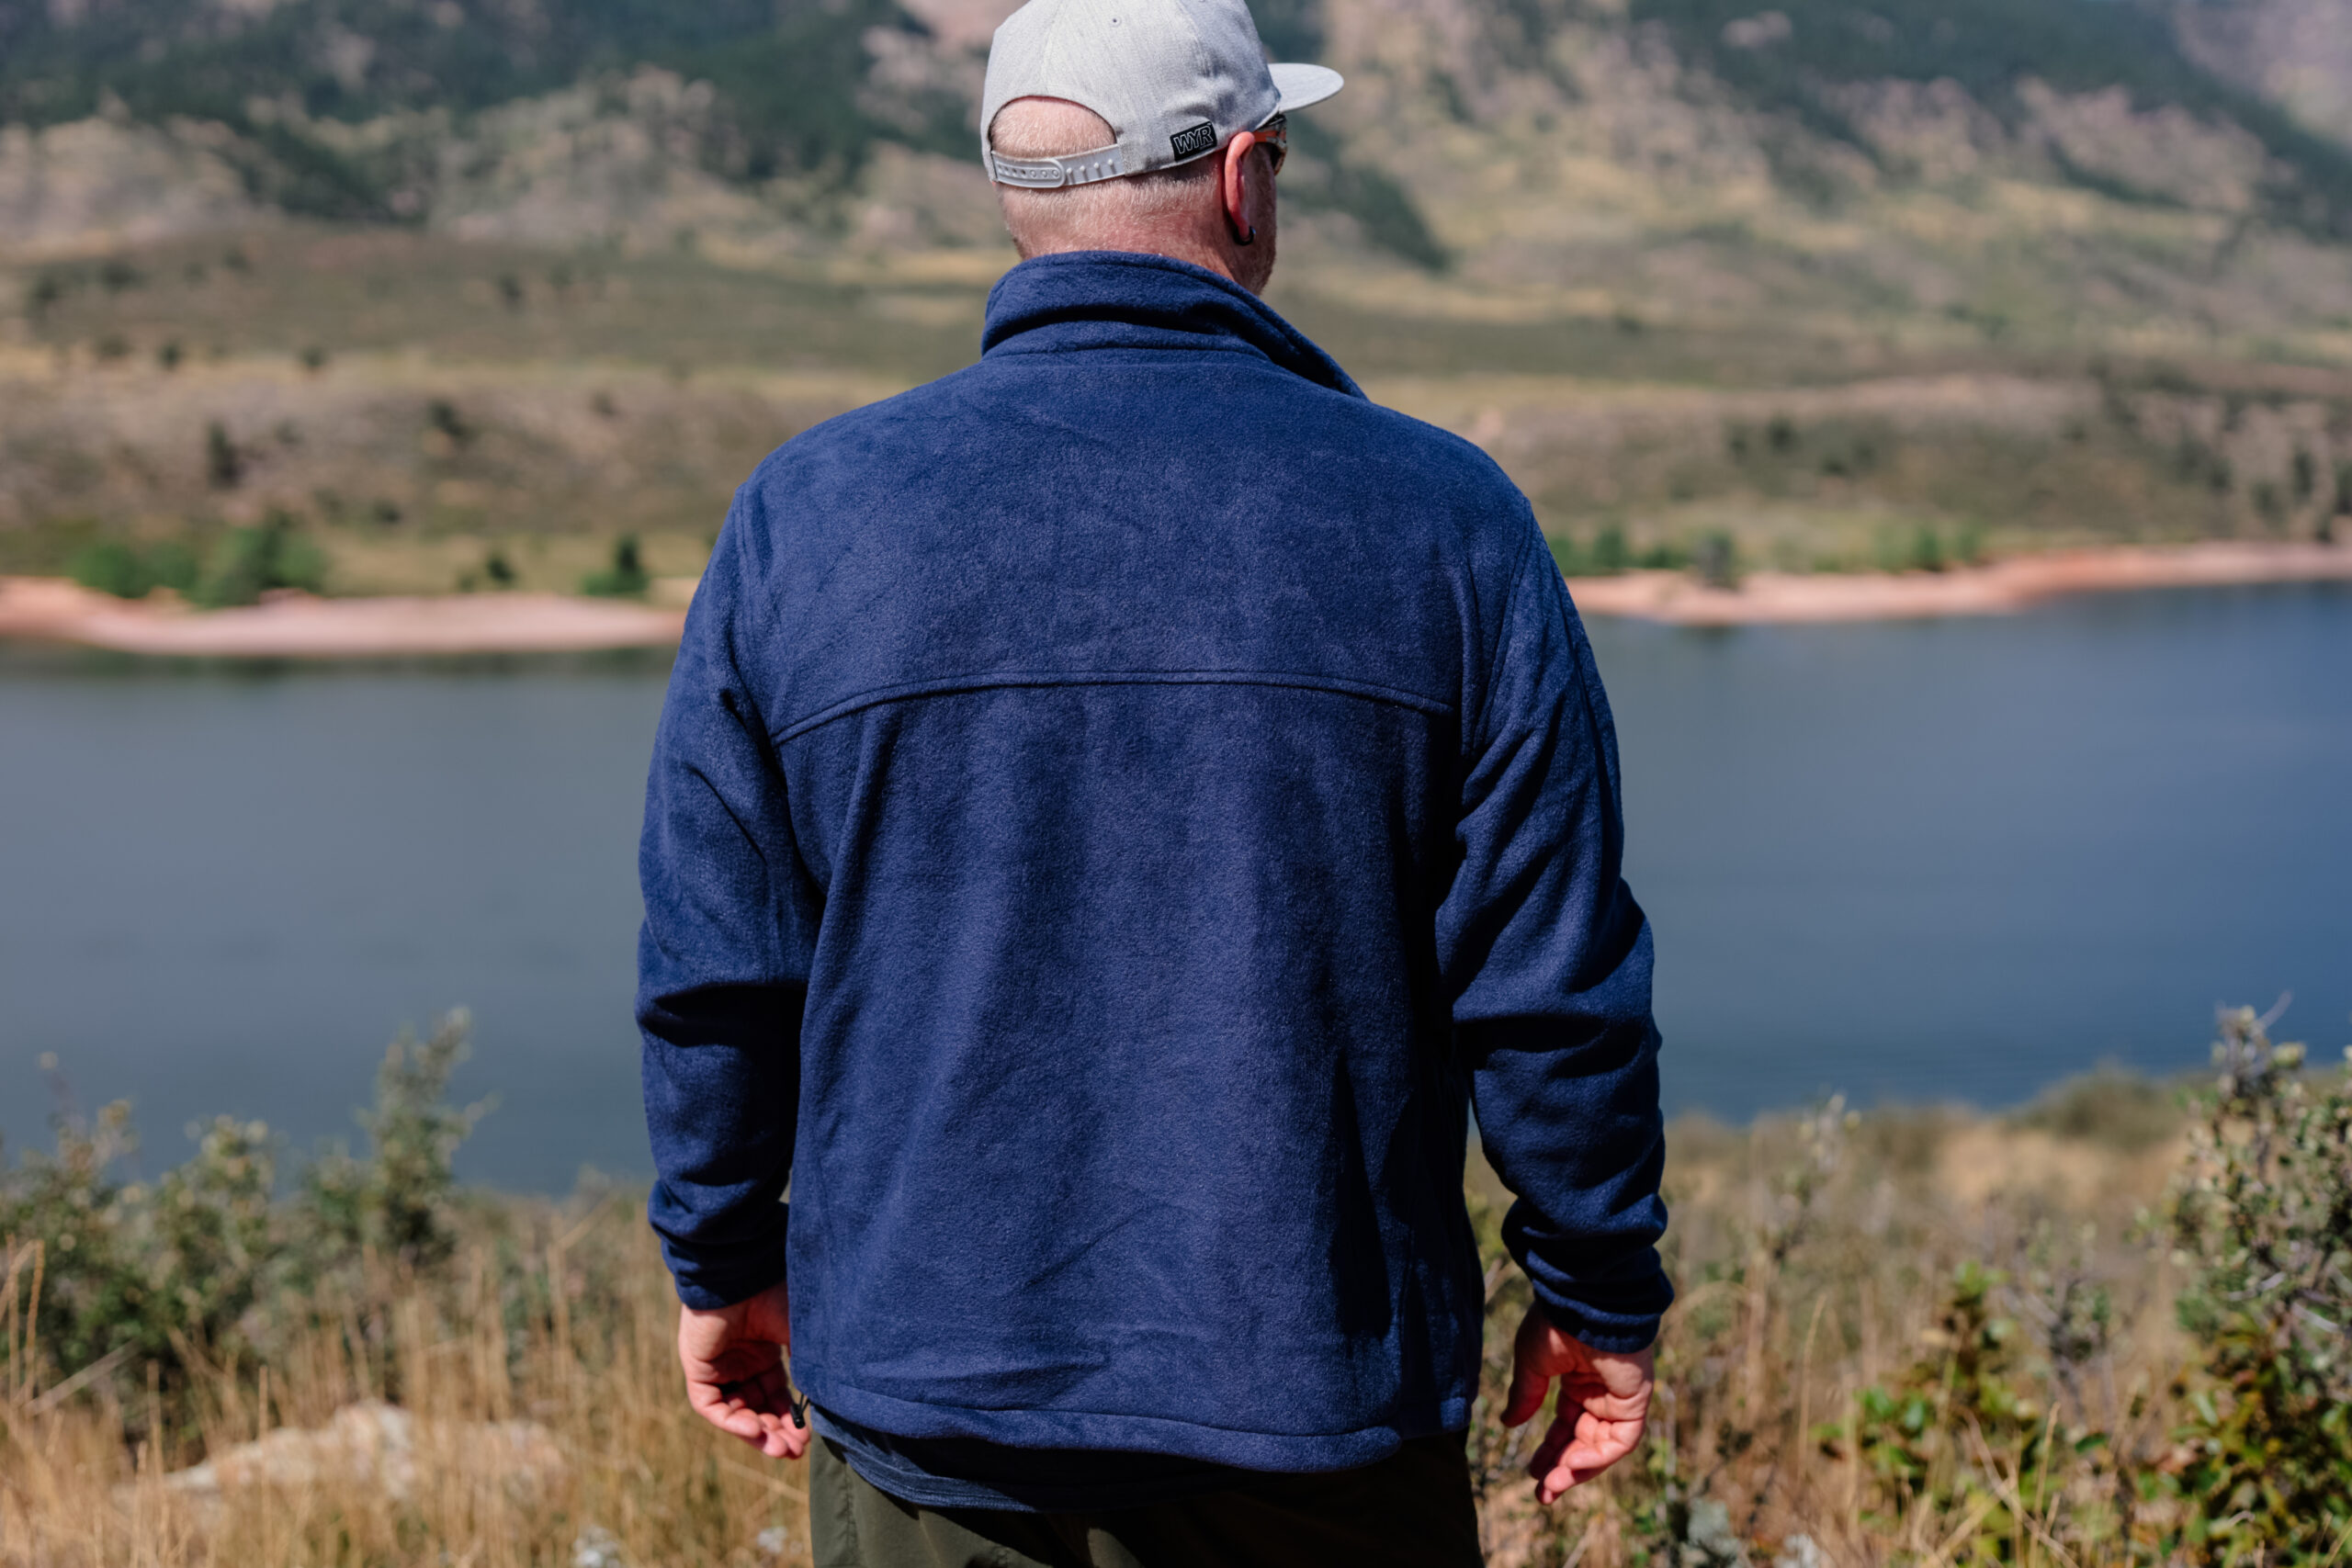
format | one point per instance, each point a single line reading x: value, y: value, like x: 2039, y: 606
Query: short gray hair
x: 1083, y: 217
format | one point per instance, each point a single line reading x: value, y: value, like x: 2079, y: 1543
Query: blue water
x: 1925, y: 860
x: 1963, y: 859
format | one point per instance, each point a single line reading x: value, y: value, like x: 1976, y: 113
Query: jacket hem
x: 1282, y: 1452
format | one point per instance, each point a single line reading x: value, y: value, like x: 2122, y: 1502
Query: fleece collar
x: 1128, y: 299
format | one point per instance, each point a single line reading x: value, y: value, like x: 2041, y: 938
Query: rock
x: 378, y: 1447
x: 597, y: 1548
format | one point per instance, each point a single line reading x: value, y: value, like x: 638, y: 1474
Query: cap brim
x: 1303, y: 85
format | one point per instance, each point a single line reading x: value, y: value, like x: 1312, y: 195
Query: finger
x: 730, y: 1416
x: 1556, y: 1439
x: 1528, y: 1388
x: 769, y: 1392
x: 1599, y: 1444
x: 1589, y: 1454
x: 779, y: 1439
x: 736, y: 1364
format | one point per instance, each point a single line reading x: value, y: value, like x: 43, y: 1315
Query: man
x: 1118, y: 808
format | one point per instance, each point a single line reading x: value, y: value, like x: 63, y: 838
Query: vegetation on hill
x: 790, y: 77
x: 1990, y: 48
x: 1741, y: 283
x: 2102, y: 1331
x: 339, y: 108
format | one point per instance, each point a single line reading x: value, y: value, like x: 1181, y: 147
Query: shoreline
x: 2001, y: 588
x: 301, y: 626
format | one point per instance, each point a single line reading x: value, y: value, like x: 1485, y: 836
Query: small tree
x: 1717, y: 561
x: 224, y: 465
x: 626, y: 578
x: 248, y: 562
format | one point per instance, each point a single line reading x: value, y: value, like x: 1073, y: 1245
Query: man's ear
x: 1233, y: 186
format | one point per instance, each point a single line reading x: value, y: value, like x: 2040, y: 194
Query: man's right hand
x: 1604, y: 1403
x: 737, y: 1378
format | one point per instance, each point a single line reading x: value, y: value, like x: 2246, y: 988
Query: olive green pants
x: 1412, y: 1510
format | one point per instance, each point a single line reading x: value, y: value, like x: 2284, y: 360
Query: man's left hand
x: 736, y: 1374
x: 1604, y: 1403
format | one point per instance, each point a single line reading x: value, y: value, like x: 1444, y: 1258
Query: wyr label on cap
x: 1193, y: 141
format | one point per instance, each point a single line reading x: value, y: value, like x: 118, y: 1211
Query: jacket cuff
x: 711, y: 1276
x: 1613, y: 1306
x: 1618, y: 1334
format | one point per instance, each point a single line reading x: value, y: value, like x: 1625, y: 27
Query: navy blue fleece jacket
x: 1116, y: 810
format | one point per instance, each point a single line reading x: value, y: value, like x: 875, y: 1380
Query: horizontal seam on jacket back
x: 947, y: 685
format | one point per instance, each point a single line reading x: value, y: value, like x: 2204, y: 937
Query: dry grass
x: 387, y: 392
x: 1818, y: 1261
x: 619, y: 1471
x: 1815, y: 1260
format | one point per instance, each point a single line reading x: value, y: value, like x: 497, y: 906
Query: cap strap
x: 1051, y: 174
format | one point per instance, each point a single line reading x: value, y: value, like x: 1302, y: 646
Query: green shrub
x: 249, y: 562
x: 1610, y: 554
x: 625, y: 578
x: 123, y: 569
x: 194, y: 1273
x: 46, y: 289
x: 442, y: 415
x: 1717, y: 560
x: 110, y: 566
x: 1956, y: 1430
x: 172, y: 564
x: 224, y: 465
x: 1565, y: 555
x: 397, y: 1203
x: 2262, y: 1217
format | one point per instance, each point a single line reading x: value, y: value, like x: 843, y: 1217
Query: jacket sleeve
x: 1547, y: 960
x: 723, y: 958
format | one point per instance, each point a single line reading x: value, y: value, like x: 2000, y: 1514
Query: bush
x: 196, y: 1274
x: 399, y: 1201
x: 249, y: 562
x: 224, y: 464
x: 2263, y: 1217
x: 110, y: 566
x: 1717, y: 561
x: 625, y: 578
x: 123, y: 569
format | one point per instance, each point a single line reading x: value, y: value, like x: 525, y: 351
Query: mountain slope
x: 2150, y: 176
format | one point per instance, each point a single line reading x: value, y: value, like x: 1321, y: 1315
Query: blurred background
x: 358, y: 298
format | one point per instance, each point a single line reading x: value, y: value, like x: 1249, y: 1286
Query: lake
x: 1934, y: 860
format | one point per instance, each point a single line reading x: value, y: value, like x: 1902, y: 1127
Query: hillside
x: 2011, y: 165
x: 1848, y: 285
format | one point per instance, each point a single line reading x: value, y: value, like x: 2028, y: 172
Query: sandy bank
x: 297, y: 625
x: 2002, y: 588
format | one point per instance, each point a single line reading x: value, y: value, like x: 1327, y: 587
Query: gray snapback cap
x: 1175, y: 79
